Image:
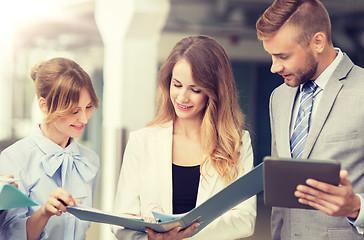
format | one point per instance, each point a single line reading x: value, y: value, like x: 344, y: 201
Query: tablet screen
x: 282, y: 175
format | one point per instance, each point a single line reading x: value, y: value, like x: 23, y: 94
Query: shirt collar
x: 48, y: 146
x: 324, y: 77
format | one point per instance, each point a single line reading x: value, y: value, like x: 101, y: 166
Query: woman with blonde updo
x: 56, y: 171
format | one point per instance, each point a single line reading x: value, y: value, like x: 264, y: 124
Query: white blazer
x: 145, y: 182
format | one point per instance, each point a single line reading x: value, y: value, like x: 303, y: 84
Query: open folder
x: 238, y: 191
x: 11, y: 197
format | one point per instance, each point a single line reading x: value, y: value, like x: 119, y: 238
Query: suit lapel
x: 288, y: 98
x: 206, y: 185
x: 163, y: 149
x: 330, y: 93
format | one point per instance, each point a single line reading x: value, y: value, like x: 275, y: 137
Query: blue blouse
x: 44, y: 166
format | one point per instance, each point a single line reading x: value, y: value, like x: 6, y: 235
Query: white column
x: 6, y: 84
x: 130, y: 30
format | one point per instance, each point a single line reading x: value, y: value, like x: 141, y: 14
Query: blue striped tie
x: 301, y: 128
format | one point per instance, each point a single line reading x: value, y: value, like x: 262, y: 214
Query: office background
x: 121, y: 44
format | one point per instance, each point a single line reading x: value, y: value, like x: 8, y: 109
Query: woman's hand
x: 9, y: 176
x: 174, y: 234
x: 57, y: 202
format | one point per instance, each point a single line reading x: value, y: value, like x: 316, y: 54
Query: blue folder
x: 240, y: 190
x: 12, y: 197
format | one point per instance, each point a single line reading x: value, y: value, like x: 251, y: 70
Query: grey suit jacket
x: 336, y: 132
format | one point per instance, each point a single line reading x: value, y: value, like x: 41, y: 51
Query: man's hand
x: 332, y: 200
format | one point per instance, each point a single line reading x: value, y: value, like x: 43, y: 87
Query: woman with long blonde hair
x: 195, y: 146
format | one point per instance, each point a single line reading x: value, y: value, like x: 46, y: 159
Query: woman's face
x: 188, y: 100
x: 73, y: 124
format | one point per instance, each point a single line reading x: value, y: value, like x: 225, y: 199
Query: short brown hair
x: 309, y: 16
x: 60, y: 81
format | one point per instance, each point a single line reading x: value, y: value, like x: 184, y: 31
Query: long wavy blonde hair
x: 223, y: 122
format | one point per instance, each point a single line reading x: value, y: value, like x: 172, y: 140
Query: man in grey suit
x: 297, y: 34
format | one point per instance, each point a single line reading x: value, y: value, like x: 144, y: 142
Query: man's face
x: 294, y: 62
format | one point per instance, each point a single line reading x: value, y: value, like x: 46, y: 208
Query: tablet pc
x: 282, y: 175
